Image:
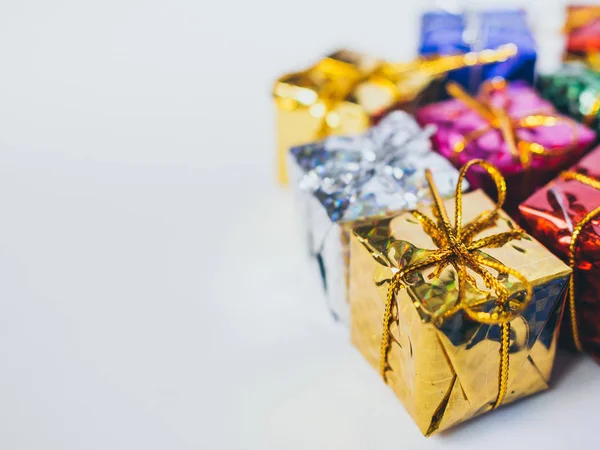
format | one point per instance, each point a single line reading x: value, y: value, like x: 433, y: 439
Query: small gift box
x: 565, y: 216
x: 459, y: 316
x: 510, y: 126
x: 343, y: 179
x: 445, y: 33
x: 346, y: 92
x: 583, y: 30
x: 574, y: 90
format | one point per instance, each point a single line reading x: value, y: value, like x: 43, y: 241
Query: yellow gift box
x: 458, y: 319
x: 347, y: 92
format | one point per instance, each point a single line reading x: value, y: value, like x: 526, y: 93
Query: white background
x: 153, y: 292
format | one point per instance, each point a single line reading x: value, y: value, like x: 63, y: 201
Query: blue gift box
x: 445, y: 33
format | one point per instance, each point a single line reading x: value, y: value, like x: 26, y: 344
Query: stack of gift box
x: 451, y: 206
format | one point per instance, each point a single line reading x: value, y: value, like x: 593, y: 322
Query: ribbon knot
x: 458, y: 246
x: 498, y: 119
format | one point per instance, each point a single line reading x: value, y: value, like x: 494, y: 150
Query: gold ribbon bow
x: 589, y: 217
x: 457, y: 246
x: 498, y: 119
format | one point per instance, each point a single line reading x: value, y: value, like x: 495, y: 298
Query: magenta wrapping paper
x: 455, y: 120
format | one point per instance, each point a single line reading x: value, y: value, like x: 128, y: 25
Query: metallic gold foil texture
x: 454, y: 350
x: 347, y: 92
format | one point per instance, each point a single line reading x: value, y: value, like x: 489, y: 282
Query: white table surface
x: 153, y: 292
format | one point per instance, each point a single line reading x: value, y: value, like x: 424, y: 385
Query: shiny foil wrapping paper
x: 447, y: 372
x: 343, y: 179
x: 552, y: 214
x: 583, y: 29
x: 344, y: 93
x: 574, y: 90
x: 564, y: 142
x: 445, y: 33
x: 347, y: 92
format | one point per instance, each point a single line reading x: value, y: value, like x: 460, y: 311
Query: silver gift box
x: 343, y: 179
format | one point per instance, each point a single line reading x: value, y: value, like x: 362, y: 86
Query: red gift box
x: 565, y: 217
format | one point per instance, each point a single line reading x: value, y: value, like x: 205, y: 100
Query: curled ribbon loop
x: 498, y: 119
x: 587, y: 219
x: 459, y: 248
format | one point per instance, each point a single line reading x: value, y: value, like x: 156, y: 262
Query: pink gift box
x: 563, y: 143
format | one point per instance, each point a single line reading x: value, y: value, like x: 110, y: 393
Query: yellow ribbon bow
x: 498, y: 119
x: 589, y: 217
x: 458, y: 247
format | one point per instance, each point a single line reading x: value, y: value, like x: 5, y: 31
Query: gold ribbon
x: 589, y: 217
x: 440, y: 64
x: 458, y: 247
x: 498, y: 119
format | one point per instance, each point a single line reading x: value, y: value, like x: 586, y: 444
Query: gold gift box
x: 446, y: 371
x: 346, y: 92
